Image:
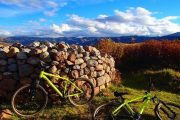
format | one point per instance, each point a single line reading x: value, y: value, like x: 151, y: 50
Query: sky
x: 89, y: 18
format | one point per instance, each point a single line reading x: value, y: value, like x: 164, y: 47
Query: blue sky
x: 102, y: 18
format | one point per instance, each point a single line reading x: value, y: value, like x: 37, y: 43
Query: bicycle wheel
x: 167, y: 111
x: 88, y: 92
x: 104, y: 112
x: 28, y: 101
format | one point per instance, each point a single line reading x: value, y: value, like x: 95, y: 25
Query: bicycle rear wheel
x: 80, y: 99
x: 28, y: 101
x: 104, y: 112
x: 167, y: 111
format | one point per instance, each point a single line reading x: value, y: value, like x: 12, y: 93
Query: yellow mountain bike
x: 121, y: 109
x: 31, y: 99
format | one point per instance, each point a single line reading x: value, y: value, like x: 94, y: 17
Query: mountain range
x: 88, y: 40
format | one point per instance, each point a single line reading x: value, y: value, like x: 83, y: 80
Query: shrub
x: 151, y: 54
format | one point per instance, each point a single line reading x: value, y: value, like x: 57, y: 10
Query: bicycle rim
x: 168, y: 111
x: 25, y: 103
x: 104, y: 112
x: 82, y: 98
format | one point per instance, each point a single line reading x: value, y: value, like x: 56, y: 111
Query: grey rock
x: 84, y: 76
x: 55, y: 63
x: 107, y: 78
x: 75, y: 74
x: 79, y: 61
x: 1, y: 76
x: 12, y: 67
x: 25, y: 70
x: 44, y: 48
x: 35, y: 44
x: 76, y: 67
x: 100, y: 61
x: 26, y: 50
x: 53, y: 69
x: 92, y: 69
x: 3, y: 55
x: 49, y: 44
x: 101, y: 81
x: 108, y: 69
x: 80, y: 49
x: 99, y: 67
x: 69, y: 62
x: 44, y: 55
x: 86, y: 58
x: 33, y: 60
x: 11, y: 60
x: 100, y: 73
x: 94, y: 74
x: 3, y: 68
x: 83, y: 65
x: 72, y: 57
x: 92, y: 63
x: 79, y: 55
x: 21, y: 55
x: 3, y: 62
x: 35, y: 51
x: 87, y: 71
x: 81, y: 72
x: 85, y: 54
x: 6, y: 49
x: 20, y: 62
x: 94, y: 58
x: 12, y: 52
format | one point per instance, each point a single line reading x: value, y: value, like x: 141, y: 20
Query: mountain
x: 89, y: 40
x: 174, y: 34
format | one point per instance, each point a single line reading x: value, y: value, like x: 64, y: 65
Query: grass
x: 132, y: 83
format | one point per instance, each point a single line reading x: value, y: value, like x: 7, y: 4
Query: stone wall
x: 20, y: 64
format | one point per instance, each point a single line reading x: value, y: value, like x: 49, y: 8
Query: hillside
x: 25, y: 40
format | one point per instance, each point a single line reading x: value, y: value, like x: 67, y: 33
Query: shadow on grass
x: 162, y: 80
x: 148, y: 117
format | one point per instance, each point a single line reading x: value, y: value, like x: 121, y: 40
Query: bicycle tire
x: 104, y: 112
x: 167, y: 111
x: 24, y: 95
x: 88, y: 92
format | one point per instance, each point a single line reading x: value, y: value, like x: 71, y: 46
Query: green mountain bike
x: 120, y: 109
x: 31, y: 99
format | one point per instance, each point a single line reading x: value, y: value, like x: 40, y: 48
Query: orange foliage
x: 150, y: 54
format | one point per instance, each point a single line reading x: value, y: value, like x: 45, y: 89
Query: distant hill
x: 89, y: 40
x: 174, y: 34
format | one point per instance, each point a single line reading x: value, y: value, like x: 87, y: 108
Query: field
x: 137, y: 63
x: 129, y: 84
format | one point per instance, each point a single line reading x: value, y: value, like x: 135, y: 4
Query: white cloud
x: 134, y: 21
x: 48, y: 7
x: 5, y: 33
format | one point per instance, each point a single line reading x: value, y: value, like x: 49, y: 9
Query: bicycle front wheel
x: 75, y: 97
x: 167, y: 111
x: 104, y: 112
x: 28, y: 101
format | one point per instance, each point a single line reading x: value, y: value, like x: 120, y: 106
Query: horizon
x: 80, y: 18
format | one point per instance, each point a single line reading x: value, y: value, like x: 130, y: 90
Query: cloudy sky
x: 102, y: 18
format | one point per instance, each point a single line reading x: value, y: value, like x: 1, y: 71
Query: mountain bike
x: 31, y: 99
x: 120, y: 109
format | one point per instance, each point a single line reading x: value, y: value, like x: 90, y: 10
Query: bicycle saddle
x: 118, y: 94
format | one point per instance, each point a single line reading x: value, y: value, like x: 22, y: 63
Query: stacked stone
x: 21, y: 64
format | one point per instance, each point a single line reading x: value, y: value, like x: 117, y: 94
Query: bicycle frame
x: 146, y: 98
x: 44, y: 75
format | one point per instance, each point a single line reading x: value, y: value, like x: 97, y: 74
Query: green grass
x: 133, y: 83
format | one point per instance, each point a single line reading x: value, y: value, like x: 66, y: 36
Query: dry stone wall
x: 20, y: 64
